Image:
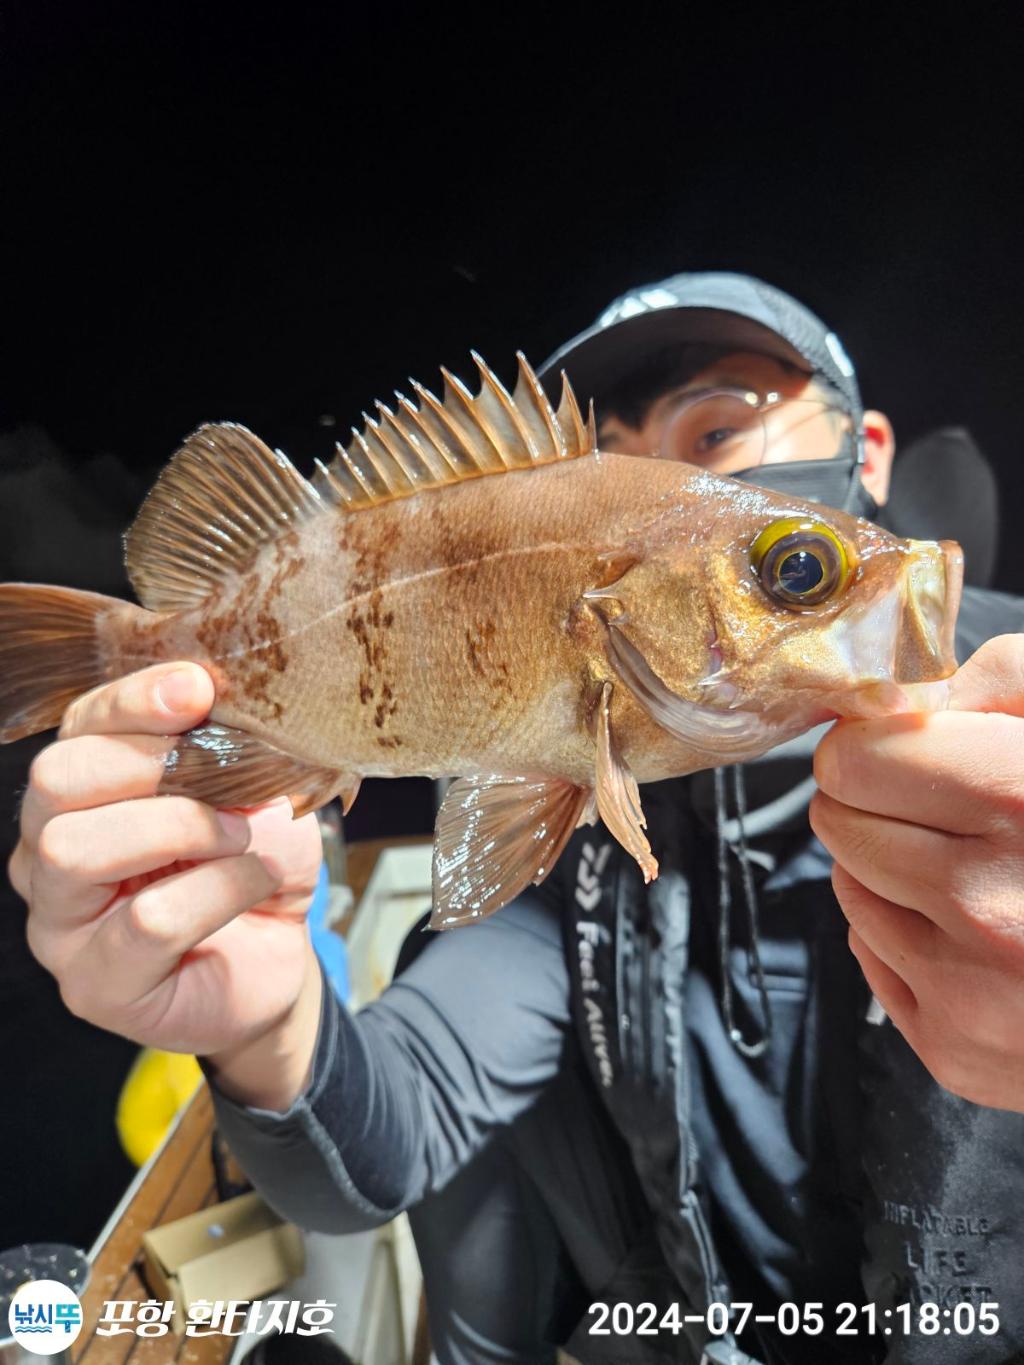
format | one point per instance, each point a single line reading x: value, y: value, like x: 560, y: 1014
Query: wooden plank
x: 181, y: 1181
x: 196, y: 1188
x: 114, y: 1274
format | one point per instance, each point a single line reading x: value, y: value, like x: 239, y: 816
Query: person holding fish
x: 704, y: 1026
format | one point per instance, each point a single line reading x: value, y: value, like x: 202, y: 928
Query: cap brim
x: 601, y: 356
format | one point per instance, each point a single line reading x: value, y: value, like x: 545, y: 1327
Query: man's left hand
x: 924, y: 815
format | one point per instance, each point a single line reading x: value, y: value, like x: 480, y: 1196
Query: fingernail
x: 236, y: 827
x: 177, y: 691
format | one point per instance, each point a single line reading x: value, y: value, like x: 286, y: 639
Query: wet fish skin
x: 549, y: 623
x: 358, y: 684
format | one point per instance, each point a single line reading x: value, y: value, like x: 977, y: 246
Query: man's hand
x: 162, y: 919
x: 924, y: 815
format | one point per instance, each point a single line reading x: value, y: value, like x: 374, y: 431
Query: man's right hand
x: 162, y: 919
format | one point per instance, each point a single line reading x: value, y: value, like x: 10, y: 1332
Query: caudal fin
x: 49, y: 654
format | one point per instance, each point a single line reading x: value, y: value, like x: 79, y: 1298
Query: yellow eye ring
x: 800, y: 562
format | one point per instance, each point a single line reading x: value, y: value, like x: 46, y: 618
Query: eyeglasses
x: 731, y: 429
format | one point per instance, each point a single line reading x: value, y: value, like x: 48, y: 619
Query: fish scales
x: 472, y: 590
x: 323, y: 644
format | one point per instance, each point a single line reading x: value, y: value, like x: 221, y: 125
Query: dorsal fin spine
x: 491, y: 381
x: 328, y: 483
x: 591, y: 427
x: 387, y: 470
x: 485, y: 423
x: 461, y: 436
x: 387, y: 428
x: 360, y: 475
x: 437, y: 408
x: 569, y: 406
x: 529, y: 383
x: 454, y: 388
x: 446, y: 463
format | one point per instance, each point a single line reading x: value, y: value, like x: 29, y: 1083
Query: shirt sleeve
x: 404, y: 1093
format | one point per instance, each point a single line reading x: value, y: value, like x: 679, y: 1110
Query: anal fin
x: 495, y: 835
x: 618, y: 797
x: 227, y: 767
x: 317, y: 794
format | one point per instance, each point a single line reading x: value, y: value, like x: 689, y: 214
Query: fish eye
x: 800, y: 563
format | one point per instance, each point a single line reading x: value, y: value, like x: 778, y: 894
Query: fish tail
x: 50, y: 653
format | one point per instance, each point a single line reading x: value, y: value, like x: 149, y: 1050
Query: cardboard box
x: 238, y: 1250
x: 396, y: 896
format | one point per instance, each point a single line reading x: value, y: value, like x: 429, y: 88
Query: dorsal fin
x: 460, y: 437
x: 223, y: 496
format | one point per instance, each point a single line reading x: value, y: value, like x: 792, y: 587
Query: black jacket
x: 831, y: 1169
x: 837, y: 1166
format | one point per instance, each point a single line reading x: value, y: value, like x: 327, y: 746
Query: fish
x: 473, y: 590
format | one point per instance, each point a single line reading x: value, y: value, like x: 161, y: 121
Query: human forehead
x: 749, y: 369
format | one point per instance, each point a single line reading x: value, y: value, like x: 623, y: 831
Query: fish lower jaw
x: 893, y: 699
x: 883, y: 698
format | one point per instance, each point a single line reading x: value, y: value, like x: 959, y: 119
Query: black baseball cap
x: 717, y: 308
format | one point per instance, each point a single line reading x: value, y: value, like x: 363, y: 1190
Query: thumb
x: 992, y: 679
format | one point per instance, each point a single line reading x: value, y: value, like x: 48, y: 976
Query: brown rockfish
x: 472, y: 590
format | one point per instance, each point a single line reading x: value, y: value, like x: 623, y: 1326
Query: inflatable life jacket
x: 629, y: 953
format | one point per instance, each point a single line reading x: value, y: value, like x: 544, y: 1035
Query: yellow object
x: 157, y: 1086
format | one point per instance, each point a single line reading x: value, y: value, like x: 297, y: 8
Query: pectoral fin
x: 618, y: 798
x: 229, y: 767
x: 495, y: 835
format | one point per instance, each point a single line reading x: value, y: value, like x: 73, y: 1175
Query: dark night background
x: 276, y: 216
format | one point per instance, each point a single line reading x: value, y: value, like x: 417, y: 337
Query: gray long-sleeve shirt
x: 403, y: 1094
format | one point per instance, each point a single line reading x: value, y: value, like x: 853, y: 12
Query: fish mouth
x: 908, y: 635
x: 932, y: 587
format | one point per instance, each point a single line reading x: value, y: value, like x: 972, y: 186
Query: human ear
x: 879, y: 448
